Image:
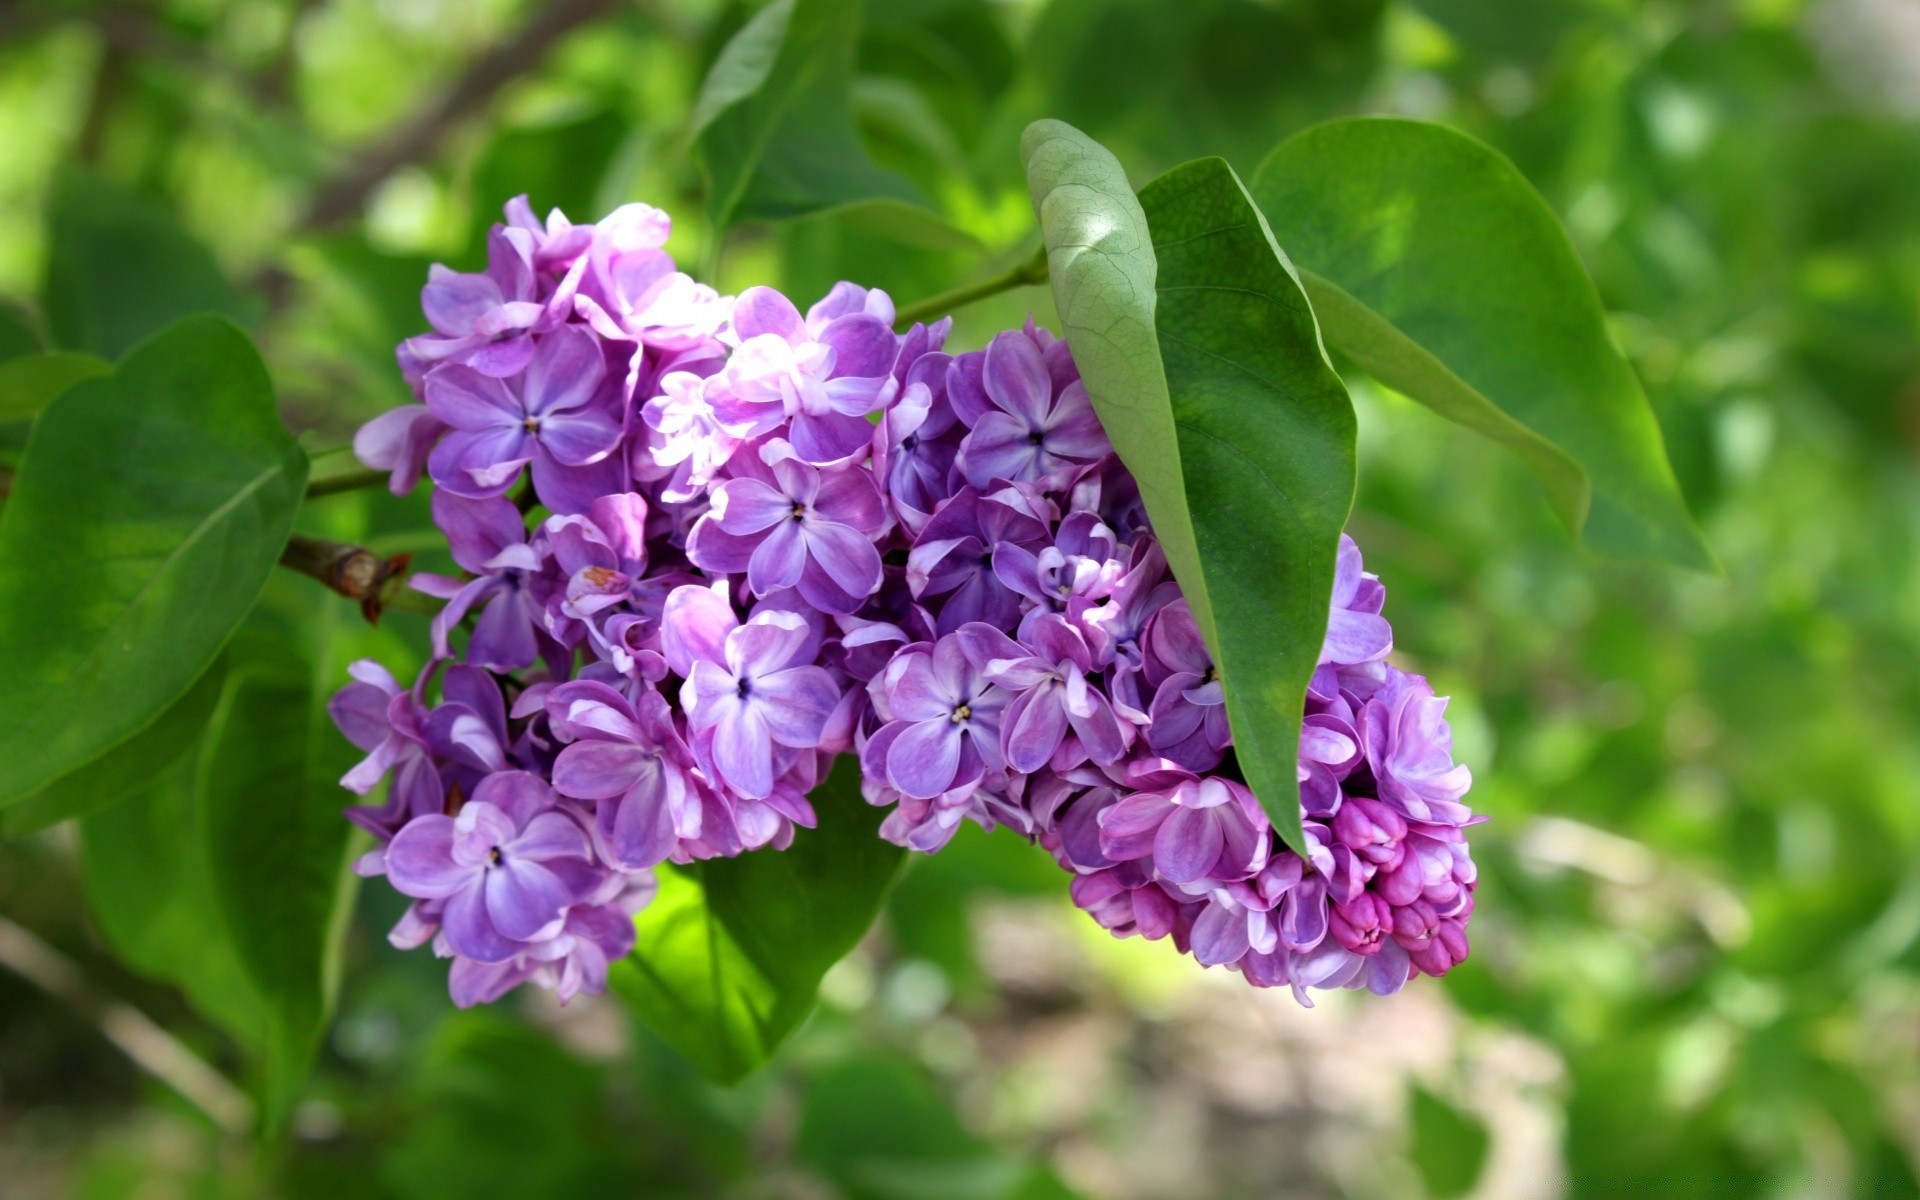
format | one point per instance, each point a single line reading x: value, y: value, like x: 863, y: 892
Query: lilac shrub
x: 709, y: 543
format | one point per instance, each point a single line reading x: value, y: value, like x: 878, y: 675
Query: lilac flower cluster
x: 750, y: 539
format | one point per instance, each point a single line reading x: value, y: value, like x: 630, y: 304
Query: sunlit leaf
x: 732, y: 950
x: 1101, y: 262
x: 1437, y: 267
x: 1266, y: 447
x: 150, y: 506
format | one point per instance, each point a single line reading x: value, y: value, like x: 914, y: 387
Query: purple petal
x: 762, y: 310
x: 864, y: 346
x: 1016, y: 378
x: 845, y: 554
x: 1034, y: 726
x: 641, y: 830
x: 743, y: 750
x: 749, y: 506
x: 597, y: 770
x: 1188, y: 844
x: 453, y: 301
x: 480, y: 463
x: 694, y: 626
x: 796, y: 704
x: 565, y: 371
x: 523, y: 898
x: 779, y: 559
x: 999, y: 448
x: 420, y: 860
x: 477, y: 530
x: 466, y: 399
x: 571, y: 489
x: 470, y: 930
x: 1220, y: 935
x: 577, y: 438
x: 924, y: 758
x: 1129, y: 827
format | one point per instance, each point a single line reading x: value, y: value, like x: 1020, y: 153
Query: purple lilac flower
x: 794, y: 525
x: 549, y: 417
x: 750, y: 703
x: 819, y: 388
x: 1032, y: 430
x: 505, y: 870
x: 776, y: 538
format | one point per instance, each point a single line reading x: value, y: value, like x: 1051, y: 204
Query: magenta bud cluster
x: 708, y: 543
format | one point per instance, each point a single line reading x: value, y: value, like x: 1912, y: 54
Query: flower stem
x: 355, y: 572
x: 346, y: 481
x: 1023, y: 274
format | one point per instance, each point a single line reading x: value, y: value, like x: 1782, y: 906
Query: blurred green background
x: 1696, y: 962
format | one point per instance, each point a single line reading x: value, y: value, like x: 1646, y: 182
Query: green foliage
x: 120, y: 576
x: 877, y: 1128
x: 276, y: 849
x: 121, y: 268
x: 1266, y: 451
x: 732, y: 951
x: 497, y: 1109
x: 1417, y: 230
x: 1449, y: 1146
x: 150, y: 895
x: 126, y: 770
x: 774, y: 127
x: 17, y: 336
x: 29, y: 383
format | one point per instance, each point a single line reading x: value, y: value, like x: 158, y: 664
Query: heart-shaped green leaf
x: 731, y: 951
x: 1439, y: 270
x: 150, y: 506
x: 774, y: 130
x: 1266, y: 437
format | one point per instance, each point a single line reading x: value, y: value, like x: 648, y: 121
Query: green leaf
x: 28, y: 384
x: 119, y: 268
x: 125, y: 771
x: 1266, y: 435
x: 1449, y: 1146
x: 877, y: 1128
x: 146, y: 883
x: 276, y: 848
x: 497, y: 1107
x: 731, y: 951
x: 1100, y: 259
x: 17, y: 335
x: 1446, y: 275
x: 773, y: 129
x: 150, y: 506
